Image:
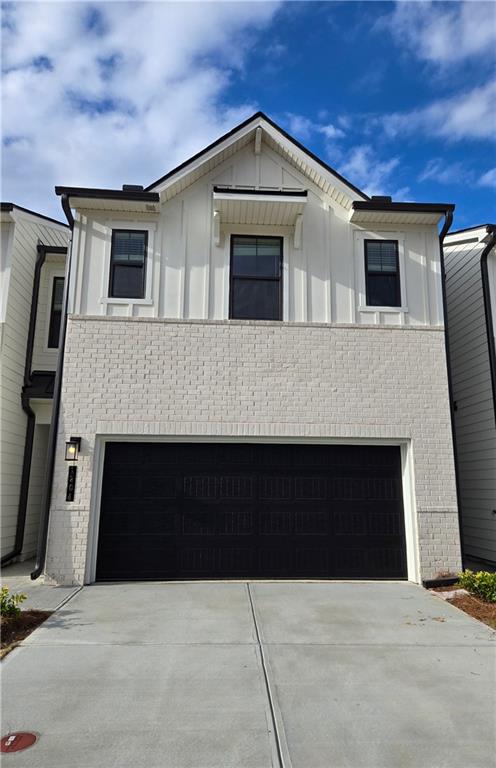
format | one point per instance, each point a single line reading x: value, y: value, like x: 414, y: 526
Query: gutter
x: 448, y: 220
x: 42, y: 251
x: 52, y: 437
x: 491, y: 229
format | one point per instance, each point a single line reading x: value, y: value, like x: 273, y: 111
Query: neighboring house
x: 255, y: 366
x: 470, y: 263
x: 33, y: 256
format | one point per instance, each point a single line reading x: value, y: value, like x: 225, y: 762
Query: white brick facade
x: 243, y: 379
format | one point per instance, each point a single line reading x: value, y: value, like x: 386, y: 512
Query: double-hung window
x: 256, y: 278
x: 382, y: 273
x: 128, y: 264
x: 55, y: 312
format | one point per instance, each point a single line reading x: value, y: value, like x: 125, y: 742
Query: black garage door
x: 202, y: 510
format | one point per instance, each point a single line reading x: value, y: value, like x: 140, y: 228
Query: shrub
x: 9, y: 604
x: 482, y: 584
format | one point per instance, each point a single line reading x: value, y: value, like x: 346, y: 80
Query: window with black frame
x: 382, y: 273
x: 55, y: 312
x: 256, y: 278
x: 128, y: 264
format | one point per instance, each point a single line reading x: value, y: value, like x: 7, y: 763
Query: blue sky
x: 399, y: 97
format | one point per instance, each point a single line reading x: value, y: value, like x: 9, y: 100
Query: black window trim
x: 124, y: 264
x: 51, y: 316
x: 396, y: 273
x: 279, y: 279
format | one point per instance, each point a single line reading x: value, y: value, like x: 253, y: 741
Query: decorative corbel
x: 298, y: 228
x: 216, y: 227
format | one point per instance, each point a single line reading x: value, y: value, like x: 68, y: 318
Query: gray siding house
x: 32, y: 275
x: 470, y: 266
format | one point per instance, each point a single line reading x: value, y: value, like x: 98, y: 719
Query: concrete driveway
x: 236, y: 675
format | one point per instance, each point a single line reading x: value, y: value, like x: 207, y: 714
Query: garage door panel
x: 251, y: 510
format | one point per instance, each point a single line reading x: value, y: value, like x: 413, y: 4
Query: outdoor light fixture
x: 72, y: 448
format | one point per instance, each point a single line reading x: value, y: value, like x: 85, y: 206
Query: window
x: 382, y: 273
x: 256, y: 278
x: 56, y: 312
x: 127, y: 264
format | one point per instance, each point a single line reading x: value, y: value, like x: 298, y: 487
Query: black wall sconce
x: 72, y: 448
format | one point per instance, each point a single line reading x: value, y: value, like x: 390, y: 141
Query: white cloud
x: 488, y: 179
x: 469, y: 115
x: 303, y: 128
x: 445, y: 173
x: 363, y: 168
x: 443, y: 33
x: 106, y: 93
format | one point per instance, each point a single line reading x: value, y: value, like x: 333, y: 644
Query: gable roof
x: 301, y: 157
x: 9, y: 207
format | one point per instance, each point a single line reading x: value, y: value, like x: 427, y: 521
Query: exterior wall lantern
x: 72, y: 448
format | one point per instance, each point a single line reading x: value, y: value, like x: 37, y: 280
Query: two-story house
x: 255, y: 379
x: 33, y: 258
x: 470, y: 258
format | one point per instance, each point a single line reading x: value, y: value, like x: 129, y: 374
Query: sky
x: 399, y: 97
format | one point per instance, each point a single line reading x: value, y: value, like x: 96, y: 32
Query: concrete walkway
x: 237, y: 675
x: 40, y: 596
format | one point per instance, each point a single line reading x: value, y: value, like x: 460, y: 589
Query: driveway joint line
x: 69, y: 597
x: 267, y: 683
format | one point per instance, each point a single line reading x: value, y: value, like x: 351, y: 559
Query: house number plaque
x: 71, y: 484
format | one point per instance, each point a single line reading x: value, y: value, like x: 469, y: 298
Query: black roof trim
x: 489, y: 228
x: 278, y: 192
x: 239, y: 127
x: 377, y: 205
x: 109, y: 194
x: 9, y: 207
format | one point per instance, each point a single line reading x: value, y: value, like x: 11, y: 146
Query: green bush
x: 482, y: 584
x: 9, y: 604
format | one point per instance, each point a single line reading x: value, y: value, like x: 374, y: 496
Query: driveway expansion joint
x: 277, y: 735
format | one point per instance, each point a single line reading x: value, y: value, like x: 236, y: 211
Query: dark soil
x: 16, y: 628
x: 479, y: 609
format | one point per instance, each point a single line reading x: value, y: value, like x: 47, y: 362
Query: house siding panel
x: 475, y: 418
x: 28, y: 232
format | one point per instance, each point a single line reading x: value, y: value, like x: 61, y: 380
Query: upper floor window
x: 382, y: 273
x: 128, y: 264
x: 256, y: 278
x: 55, y: 312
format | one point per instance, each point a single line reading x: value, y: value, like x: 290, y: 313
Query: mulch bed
x: 479, y: 609
x: 14, y: 629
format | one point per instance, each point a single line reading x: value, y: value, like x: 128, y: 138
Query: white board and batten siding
x: 21, y: 232
x: 188, y: 273
x: 475, y: 418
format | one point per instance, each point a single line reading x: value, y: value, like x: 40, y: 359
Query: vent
x: 382, y: 198
x: 132, y: 187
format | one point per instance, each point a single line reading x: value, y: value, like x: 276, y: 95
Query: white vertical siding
x: 28, y: 231
x: 323, y: 277
x: 472, y: 391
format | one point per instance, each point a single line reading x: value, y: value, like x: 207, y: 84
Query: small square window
x: 256, y: 278
x: 382, y: 273
x: 56, y: 312
x: 128, y: 264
